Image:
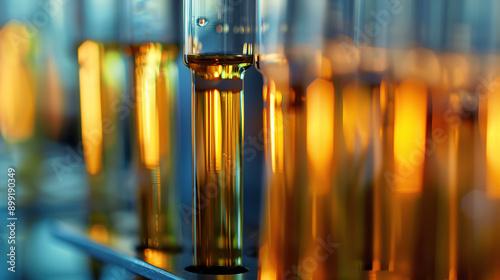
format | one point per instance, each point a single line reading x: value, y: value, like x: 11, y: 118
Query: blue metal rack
x: 174, y: 270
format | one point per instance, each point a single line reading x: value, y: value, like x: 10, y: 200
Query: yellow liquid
x: 19, y: 107
x: 102, y: 83
x: 217, y: 128
x: 155, y: 76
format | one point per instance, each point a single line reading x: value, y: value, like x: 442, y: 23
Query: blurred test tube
x: 19, y: 46
x: 311, y: 109
x: 280, y: 230
x: 151, y: 32
x: 104, y: 111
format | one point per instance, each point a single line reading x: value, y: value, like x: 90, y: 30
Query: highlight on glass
x: 152, y: 40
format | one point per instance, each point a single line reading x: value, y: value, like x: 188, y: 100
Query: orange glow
x: 276, y: 126
x: 268, y: 267
x: 266, y: 128
x: 89, y: 56
x: 157, y: 258
x: 17, y: 84
x: 356, y: 116
x: 99, y: 233
x: 410, y: 119
x: 213, y: 133
x: 149, y: 59
x: 493, y: 141
x: 383, y: 96
x: 378, y: 113
x: 320, y: 133
x: 453, y: 200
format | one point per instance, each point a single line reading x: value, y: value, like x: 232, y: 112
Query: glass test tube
x: 102, y: 77
x: 152, y: 35
x: 280, y: 229
x: 218, y: 50
x: 311, y: 106
x: 489, y: 228
x: 19, y: 103
x: 458, y: 113
x: 357, y: 68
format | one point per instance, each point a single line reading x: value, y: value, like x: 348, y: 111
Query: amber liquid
x: 217, y: 131
x: 280, y: 221
x: 155, y: 74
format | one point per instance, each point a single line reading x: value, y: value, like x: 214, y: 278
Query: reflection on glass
x: 410, y: 119
x: 320, y: 136
x: 99, y: 233
x: 156, y: 86
x: 158, y: 258
x: 280, y: 217
x: 493, y: 141
x: 453, y: 193
x: 89, y: 56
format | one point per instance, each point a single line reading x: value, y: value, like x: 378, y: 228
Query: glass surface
x: 219, y: 27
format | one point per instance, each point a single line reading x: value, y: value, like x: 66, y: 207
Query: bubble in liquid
x: 202, y: 21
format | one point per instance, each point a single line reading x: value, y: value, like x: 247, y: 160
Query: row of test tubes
x: 380, y: 127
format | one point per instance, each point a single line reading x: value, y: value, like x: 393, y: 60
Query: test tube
x: 465, y: 242
x: 489, y: 227
x: 19, y: 103
x: 280, y: 228
x: 102, y: 77
x: 151, y: 34
x: 312, y: 105
x: 218, y: 49
x: 406, y: 93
